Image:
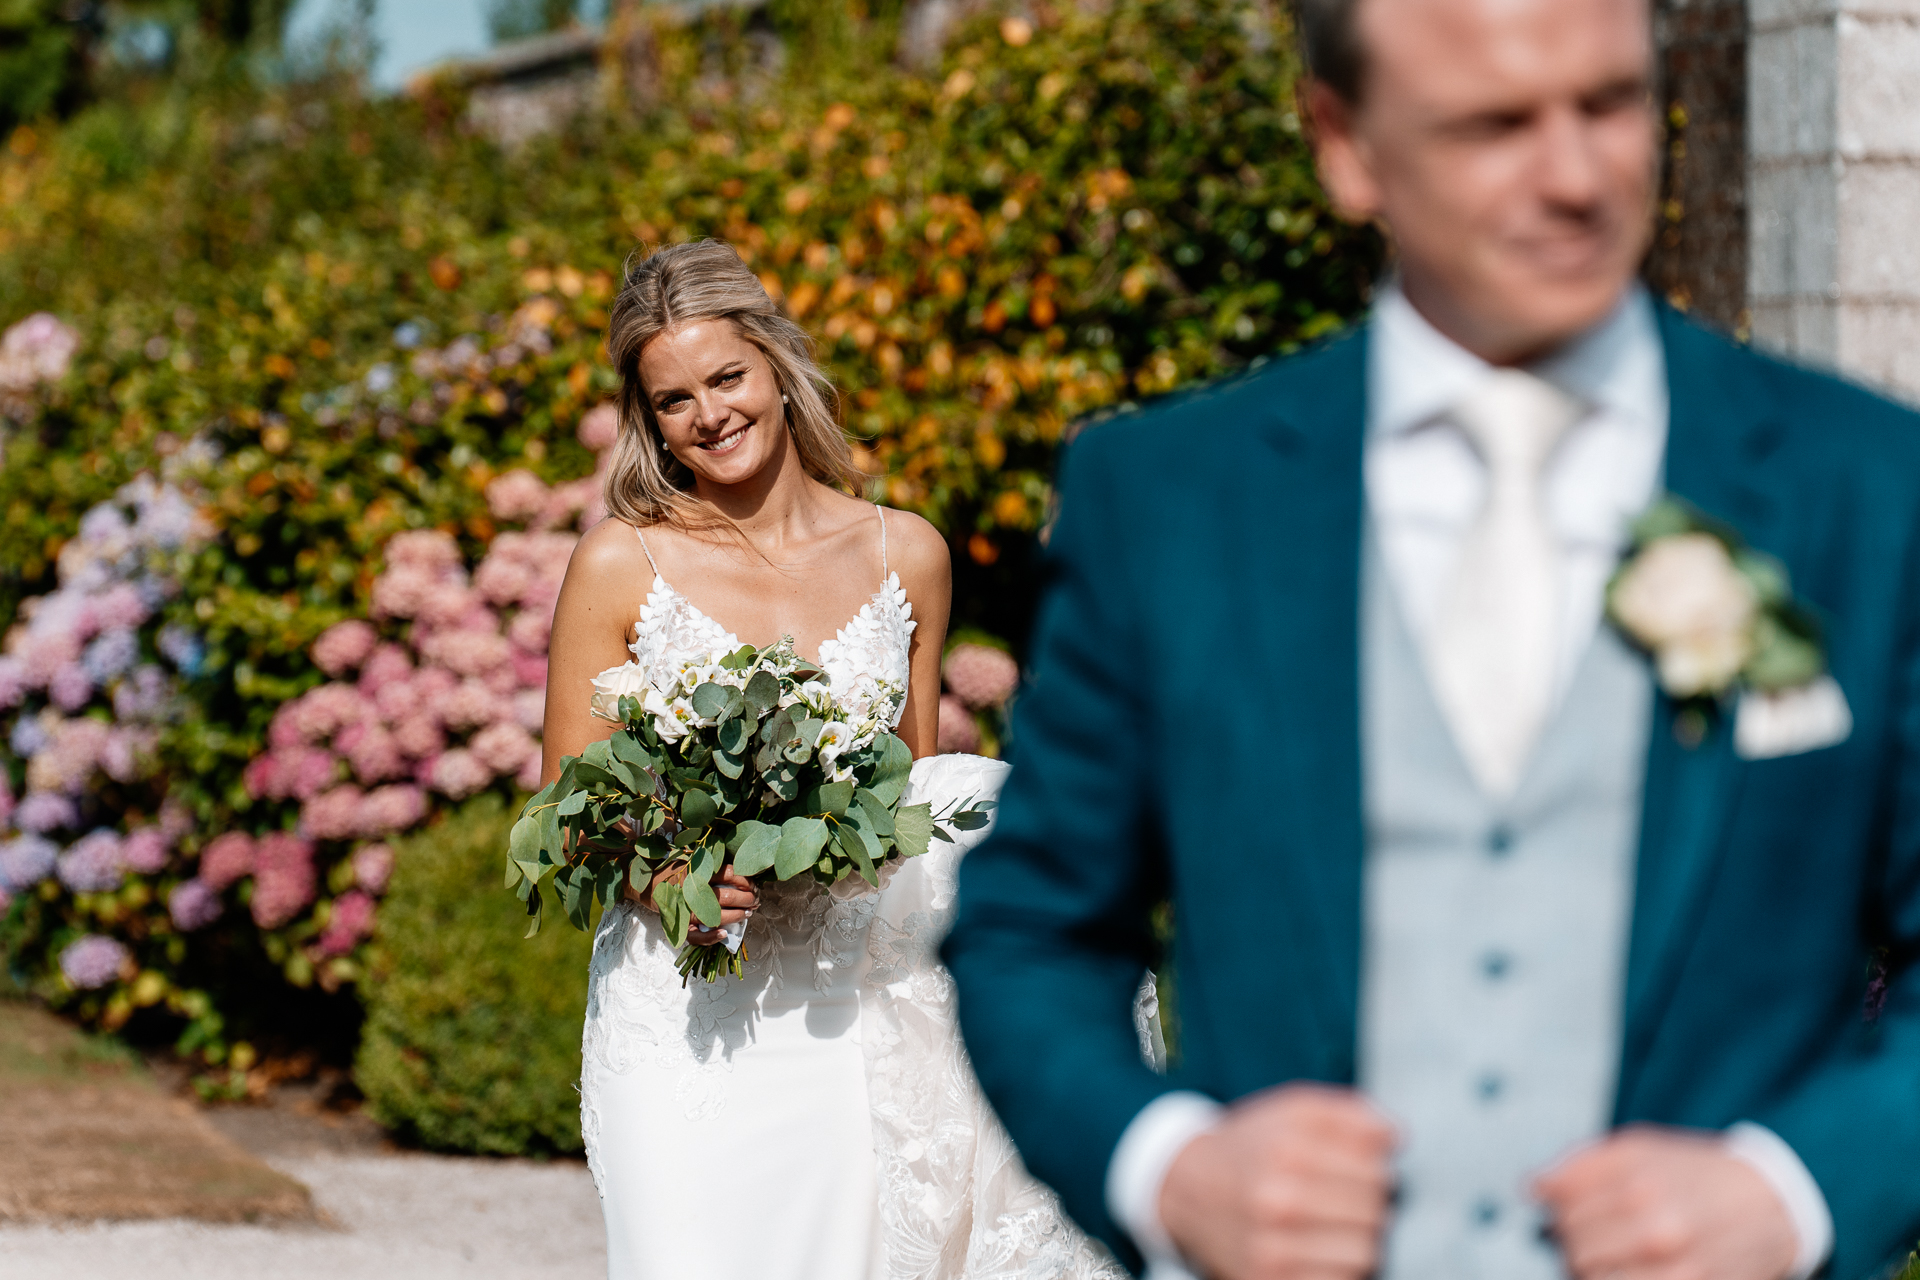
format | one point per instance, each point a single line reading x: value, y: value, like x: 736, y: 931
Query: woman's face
x: 714, y: 395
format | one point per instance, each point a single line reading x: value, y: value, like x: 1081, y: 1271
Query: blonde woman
x: 815, y: 1118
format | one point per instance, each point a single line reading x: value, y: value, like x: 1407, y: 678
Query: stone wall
x: 1834, y: 184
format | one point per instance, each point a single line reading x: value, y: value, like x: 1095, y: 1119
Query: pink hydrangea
x: 91, y: 961
x: 333, y: 815
x: 957, y: 731
x: 350, y: 920
x: 980, y: 676
x: 471, y: 705
x: 343, y: 646
x: 447, y: 603
x: 401, y: 590
x: 388, y: 665
x: 37, y: 349
x: 373, y: 867
x: 530, y: 709
x: 193, y: 905
x: 13, y: 681
x: 45, y: 811
x: 516, y: 495
x: 119, y: 607
x: 283, y: 879
x: 91, y: 864
x: 503, y: 746
x: 145, y: 851
x: 389, y: 809
x: 599, y: 426
x: 468, y: 653
x: 72, y: 753
x: 71, y: 687
x: 458, y: 774
x: 419, y: 737
x: 429, y: 549
x: 531, y: 629
x: 530, y: 669
x: 226, y: 859
x: 373, y: 754
x: 126, y: 752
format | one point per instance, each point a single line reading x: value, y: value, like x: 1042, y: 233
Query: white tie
x: 1492, y: 648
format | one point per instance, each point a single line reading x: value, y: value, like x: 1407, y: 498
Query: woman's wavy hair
x: 684, y: 284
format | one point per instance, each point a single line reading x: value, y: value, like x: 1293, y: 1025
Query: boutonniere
x: 1721, y: 624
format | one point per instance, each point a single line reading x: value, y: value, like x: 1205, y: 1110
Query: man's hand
x: 1292, y: 1185
x: 1661, y: 1204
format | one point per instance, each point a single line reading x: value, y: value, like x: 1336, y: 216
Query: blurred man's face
x: 1509, y: 146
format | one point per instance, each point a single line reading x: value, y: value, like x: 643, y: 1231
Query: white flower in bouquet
x: 628, y: 680
x: 1684, y: 599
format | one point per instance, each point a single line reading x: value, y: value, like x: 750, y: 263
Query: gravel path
x: 393, y: 1215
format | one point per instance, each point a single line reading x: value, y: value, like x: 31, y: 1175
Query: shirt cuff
x: 1768, y: 1154
x: 1145, y: 1152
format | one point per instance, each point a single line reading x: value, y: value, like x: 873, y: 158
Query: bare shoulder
x: 608, y: 554
x: 917, y: 552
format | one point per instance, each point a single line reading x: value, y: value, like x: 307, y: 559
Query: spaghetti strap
x: 656, y: 568
x: 883, y: 541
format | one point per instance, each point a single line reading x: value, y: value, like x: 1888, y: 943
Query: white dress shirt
x: 1424, y: 487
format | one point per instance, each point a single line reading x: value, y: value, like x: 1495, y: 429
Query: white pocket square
x: 1785, y: 723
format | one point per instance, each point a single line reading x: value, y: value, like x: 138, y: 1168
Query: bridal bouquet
x: 744, y: 758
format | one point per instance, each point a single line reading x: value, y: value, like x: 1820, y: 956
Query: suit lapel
x: 1306, y: 562
x: 1719, y: 435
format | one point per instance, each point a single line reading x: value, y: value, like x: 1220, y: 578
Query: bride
x: 815, y: 1117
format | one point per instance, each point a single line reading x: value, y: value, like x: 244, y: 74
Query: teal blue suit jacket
x: 1192, y: 729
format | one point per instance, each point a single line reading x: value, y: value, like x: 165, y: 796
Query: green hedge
x: 472, y: 1039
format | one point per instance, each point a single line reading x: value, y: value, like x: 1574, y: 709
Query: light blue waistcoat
x: 1495, y: 947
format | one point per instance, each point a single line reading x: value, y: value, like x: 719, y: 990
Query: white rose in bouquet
x: 627, y: 680
x: 1683, y: 598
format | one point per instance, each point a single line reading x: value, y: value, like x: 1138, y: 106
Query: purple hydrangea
x: 92, y: 961
x: 27, y: 860
x: 194, y: 905
x: 112, y: 653
x: 45, y: 811
x: 29, y: 736
x: 92, y: 863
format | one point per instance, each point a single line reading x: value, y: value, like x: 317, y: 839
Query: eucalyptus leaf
x: 758, y: 845
x: 912, y: 829
x: 891, y: 773
x: 697, y: 809
x: 801, y: 840
x: 701, y: 901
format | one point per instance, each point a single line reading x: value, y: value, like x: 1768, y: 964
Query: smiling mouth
x: 728, y: 442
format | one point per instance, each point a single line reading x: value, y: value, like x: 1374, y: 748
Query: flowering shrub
x: 350, y: 345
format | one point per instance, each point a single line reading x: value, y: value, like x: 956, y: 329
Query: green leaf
x: 912, y: 829
x: 831, y: 797
x: 709, y: 700
x: 890, y: 775
x: 697, y: 809
x: 700, y: 898
x: 758, y: 844
x: 801, y: 840
x: 848, y: 837
x: 762, y: 692
x: 879, y: 815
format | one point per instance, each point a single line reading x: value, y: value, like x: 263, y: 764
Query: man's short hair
x: 1330, y: 44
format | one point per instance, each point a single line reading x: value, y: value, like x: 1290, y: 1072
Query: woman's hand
x: 737, y: 895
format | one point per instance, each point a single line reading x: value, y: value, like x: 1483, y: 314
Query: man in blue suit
x: 1503, y: 948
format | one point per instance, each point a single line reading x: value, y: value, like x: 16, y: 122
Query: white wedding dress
x: 815, y: 1119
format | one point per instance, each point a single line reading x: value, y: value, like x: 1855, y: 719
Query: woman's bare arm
x: 599, y: 603
x: 919, y: 556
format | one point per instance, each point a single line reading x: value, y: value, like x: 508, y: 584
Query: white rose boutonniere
x: 1719, y: 619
